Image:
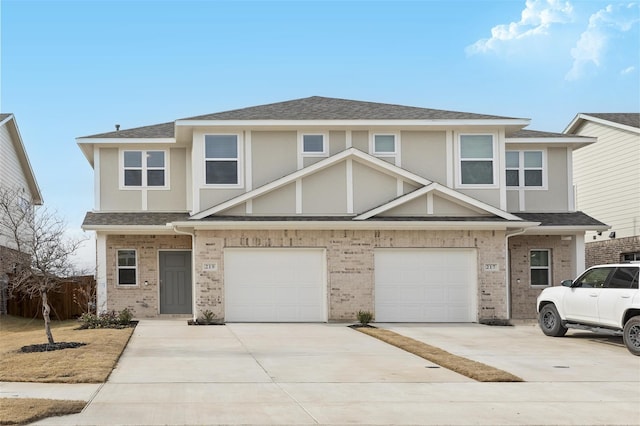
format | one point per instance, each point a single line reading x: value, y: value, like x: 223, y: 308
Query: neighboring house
x: 15, y: 174
x: 316, y: 208
x: 607, y: 181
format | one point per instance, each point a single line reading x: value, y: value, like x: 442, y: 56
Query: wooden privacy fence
x: 72, y: 299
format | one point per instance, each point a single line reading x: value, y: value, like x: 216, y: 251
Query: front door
x: 175, y: 282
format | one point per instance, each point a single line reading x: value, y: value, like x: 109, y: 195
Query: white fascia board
x: 564, y: 230
x: 126, y: 141
x: 352, y: 224
x: 585, y: 117
x: 395, y: 203
x: 352, y: 153
x: 25, y: 163
x: 575, y: 142
x: 132, y: 229
x: 352, y: 123
x: 6, y: 119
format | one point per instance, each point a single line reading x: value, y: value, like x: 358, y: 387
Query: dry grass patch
x: 87, y: 364
x: 19, y: 411
x: 472, y: 369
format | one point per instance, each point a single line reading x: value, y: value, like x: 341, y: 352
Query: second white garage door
x: 425, y: 285
x: 275, y: 285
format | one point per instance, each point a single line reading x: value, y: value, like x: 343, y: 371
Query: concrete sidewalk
x: 171, y: 373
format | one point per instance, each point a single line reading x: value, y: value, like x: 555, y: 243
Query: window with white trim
x: 540, y: 267
x: 222, y: 159
x: 525, y: 169
x: 127, y: 266
x: 314, y: 145
x: 477, y: 155
x: 384, y: 144
x: 144, y: 169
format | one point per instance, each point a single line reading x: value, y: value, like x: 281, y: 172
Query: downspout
x: 193, y: 267
x: 508, y: 266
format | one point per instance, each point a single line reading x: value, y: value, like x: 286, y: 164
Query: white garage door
x: 425, y: 285
x: 274, y: 285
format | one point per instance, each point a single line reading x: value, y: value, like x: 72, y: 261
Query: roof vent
x: 117, y: 127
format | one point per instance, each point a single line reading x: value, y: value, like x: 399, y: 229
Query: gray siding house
x: 607, y: 181
x: 316, y: 208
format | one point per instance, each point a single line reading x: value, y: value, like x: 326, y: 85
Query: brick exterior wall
x: 8, y: 258
x: 523, y: 295
x: 609, y: 251
x: 142, y: 300
x: 350, y: 265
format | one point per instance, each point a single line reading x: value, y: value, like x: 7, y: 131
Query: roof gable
x: 629, y: 121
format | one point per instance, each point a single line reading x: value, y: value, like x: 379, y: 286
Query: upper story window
x: 384, y: 145
x: 314, y: 145
x: 477, y: 155
x: 222, y: 159
x: 144, y: 169
x: 525, y: 169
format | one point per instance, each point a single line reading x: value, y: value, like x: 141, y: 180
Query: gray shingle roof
x: 561, y: 219
x: 312, y: 108
x: 164, y: 130
x: 524, y: 133
x: 625, y: 118
x: 320, y: 108
x: 132, y: 219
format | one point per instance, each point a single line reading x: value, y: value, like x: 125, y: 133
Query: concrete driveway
x: 280, y: 374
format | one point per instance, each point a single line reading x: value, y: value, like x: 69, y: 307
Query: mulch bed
x: 46, y: 347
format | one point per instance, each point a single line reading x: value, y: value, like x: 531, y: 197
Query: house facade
x: 316, y: 208
x: 16, y: 174
x: 607, y: 180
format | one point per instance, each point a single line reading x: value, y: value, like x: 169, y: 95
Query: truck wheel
x: 631, y: 335
x: 550, y: 322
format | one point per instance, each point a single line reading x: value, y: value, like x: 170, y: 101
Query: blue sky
x: 76, y: 68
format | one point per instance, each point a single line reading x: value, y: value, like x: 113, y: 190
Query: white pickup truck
x: 605, y: 298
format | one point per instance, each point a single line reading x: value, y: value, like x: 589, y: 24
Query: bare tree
x: 38, y: 234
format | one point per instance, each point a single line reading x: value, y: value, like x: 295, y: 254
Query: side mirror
x: 567, y: 283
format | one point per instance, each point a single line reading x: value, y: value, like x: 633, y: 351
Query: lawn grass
x: 91, y: 363
x: 472, y: 369
x: 20, y: 411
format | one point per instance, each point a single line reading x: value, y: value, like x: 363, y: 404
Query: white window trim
x: 325, y: 144
x: 144, y: 169
x: 396, y: 151
x: 118, y: 267
x: 240, y: 170
x: 548, y: 268
x: 495, y: 160
x: 521, y: 170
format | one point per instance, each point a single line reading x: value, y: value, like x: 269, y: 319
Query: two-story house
x: 607, y: 183
x: 16, y: 175
x: 315, y: 208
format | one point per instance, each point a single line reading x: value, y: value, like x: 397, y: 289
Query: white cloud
x: 594, y: 41
x: 536, y: 19
x: 628, y: 70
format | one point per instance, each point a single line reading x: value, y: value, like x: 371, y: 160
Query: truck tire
x: 550, y: 321
x: 631, y: 335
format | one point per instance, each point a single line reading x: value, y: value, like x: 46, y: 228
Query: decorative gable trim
x: 348, y: 154
x: 435, y: 187
x: 580, y: 118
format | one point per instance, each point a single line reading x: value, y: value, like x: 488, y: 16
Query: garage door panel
x: 277, y: 285
x: 425, y: 285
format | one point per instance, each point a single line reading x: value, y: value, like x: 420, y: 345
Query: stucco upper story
x: 607, y: 173
x: 333, y: 157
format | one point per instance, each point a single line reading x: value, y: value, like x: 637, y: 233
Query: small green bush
x: 364, y: 317
x: 108, y: 319
x: 207, y: 317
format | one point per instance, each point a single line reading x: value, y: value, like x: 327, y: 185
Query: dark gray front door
x: 175, y: 282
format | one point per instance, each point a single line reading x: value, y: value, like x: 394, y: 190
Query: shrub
x: 364, y: 317
x: 108, y: 319
x: 207, y: 317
